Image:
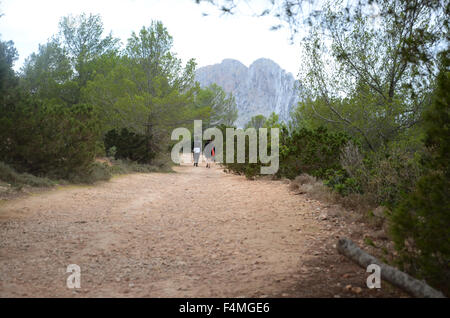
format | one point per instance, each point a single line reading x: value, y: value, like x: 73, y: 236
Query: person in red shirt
x: 210, y: 153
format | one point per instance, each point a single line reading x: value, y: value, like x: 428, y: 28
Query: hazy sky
x: 208, y: 39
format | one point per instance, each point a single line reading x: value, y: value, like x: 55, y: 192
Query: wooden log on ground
x: 394, y: 276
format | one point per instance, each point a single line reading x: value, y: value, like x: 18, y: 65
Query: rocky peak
x: 262, y: 88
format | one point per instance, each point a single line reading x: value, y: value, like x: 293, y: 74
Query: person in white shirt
x: 196, y: 153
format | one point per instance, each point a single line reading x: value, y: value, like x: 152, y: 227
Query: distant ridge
x: 262, y: 88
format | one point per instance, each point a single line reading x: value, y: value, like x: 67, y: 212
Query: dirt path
x: 195, y: 233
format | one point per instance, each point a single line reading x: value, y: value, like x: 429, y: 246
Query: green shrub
x: 128, y: 145
x: 382, y: 176
x: 50, y: 140
x: 96, y: 172
x: 420, y: 229
x: 420, y: 223
x: 315, y: 152
x: 250, y: 170
x: 111, y: 153
x: 341, y: 182
x: 312, y: 151
x: 11, y: 176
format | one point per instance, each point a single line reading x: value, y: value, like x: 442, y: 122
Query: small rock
x: 381, y: 235
x: 348, y: 287
x: 285, y: 295
x: 357, y: 290
x: 379, y: 212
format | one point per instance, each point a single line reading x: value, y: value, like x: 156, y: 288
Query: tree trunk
x: 398, y: 278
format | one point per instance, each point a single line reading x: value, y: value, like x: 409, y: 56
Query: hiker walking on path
x: 210, y: 152
x: 196, y: 152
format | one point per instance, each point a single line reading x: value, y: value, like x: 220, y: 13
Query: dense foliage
x: 82, y: 96
x: 421, y: 221
x: 312, y: 151
x: 40, y: 136
x: 128, y: 145
x: 374, y: 116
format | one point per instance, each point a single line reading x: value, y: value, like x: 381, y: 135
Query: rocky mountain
x: 262, y: 88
